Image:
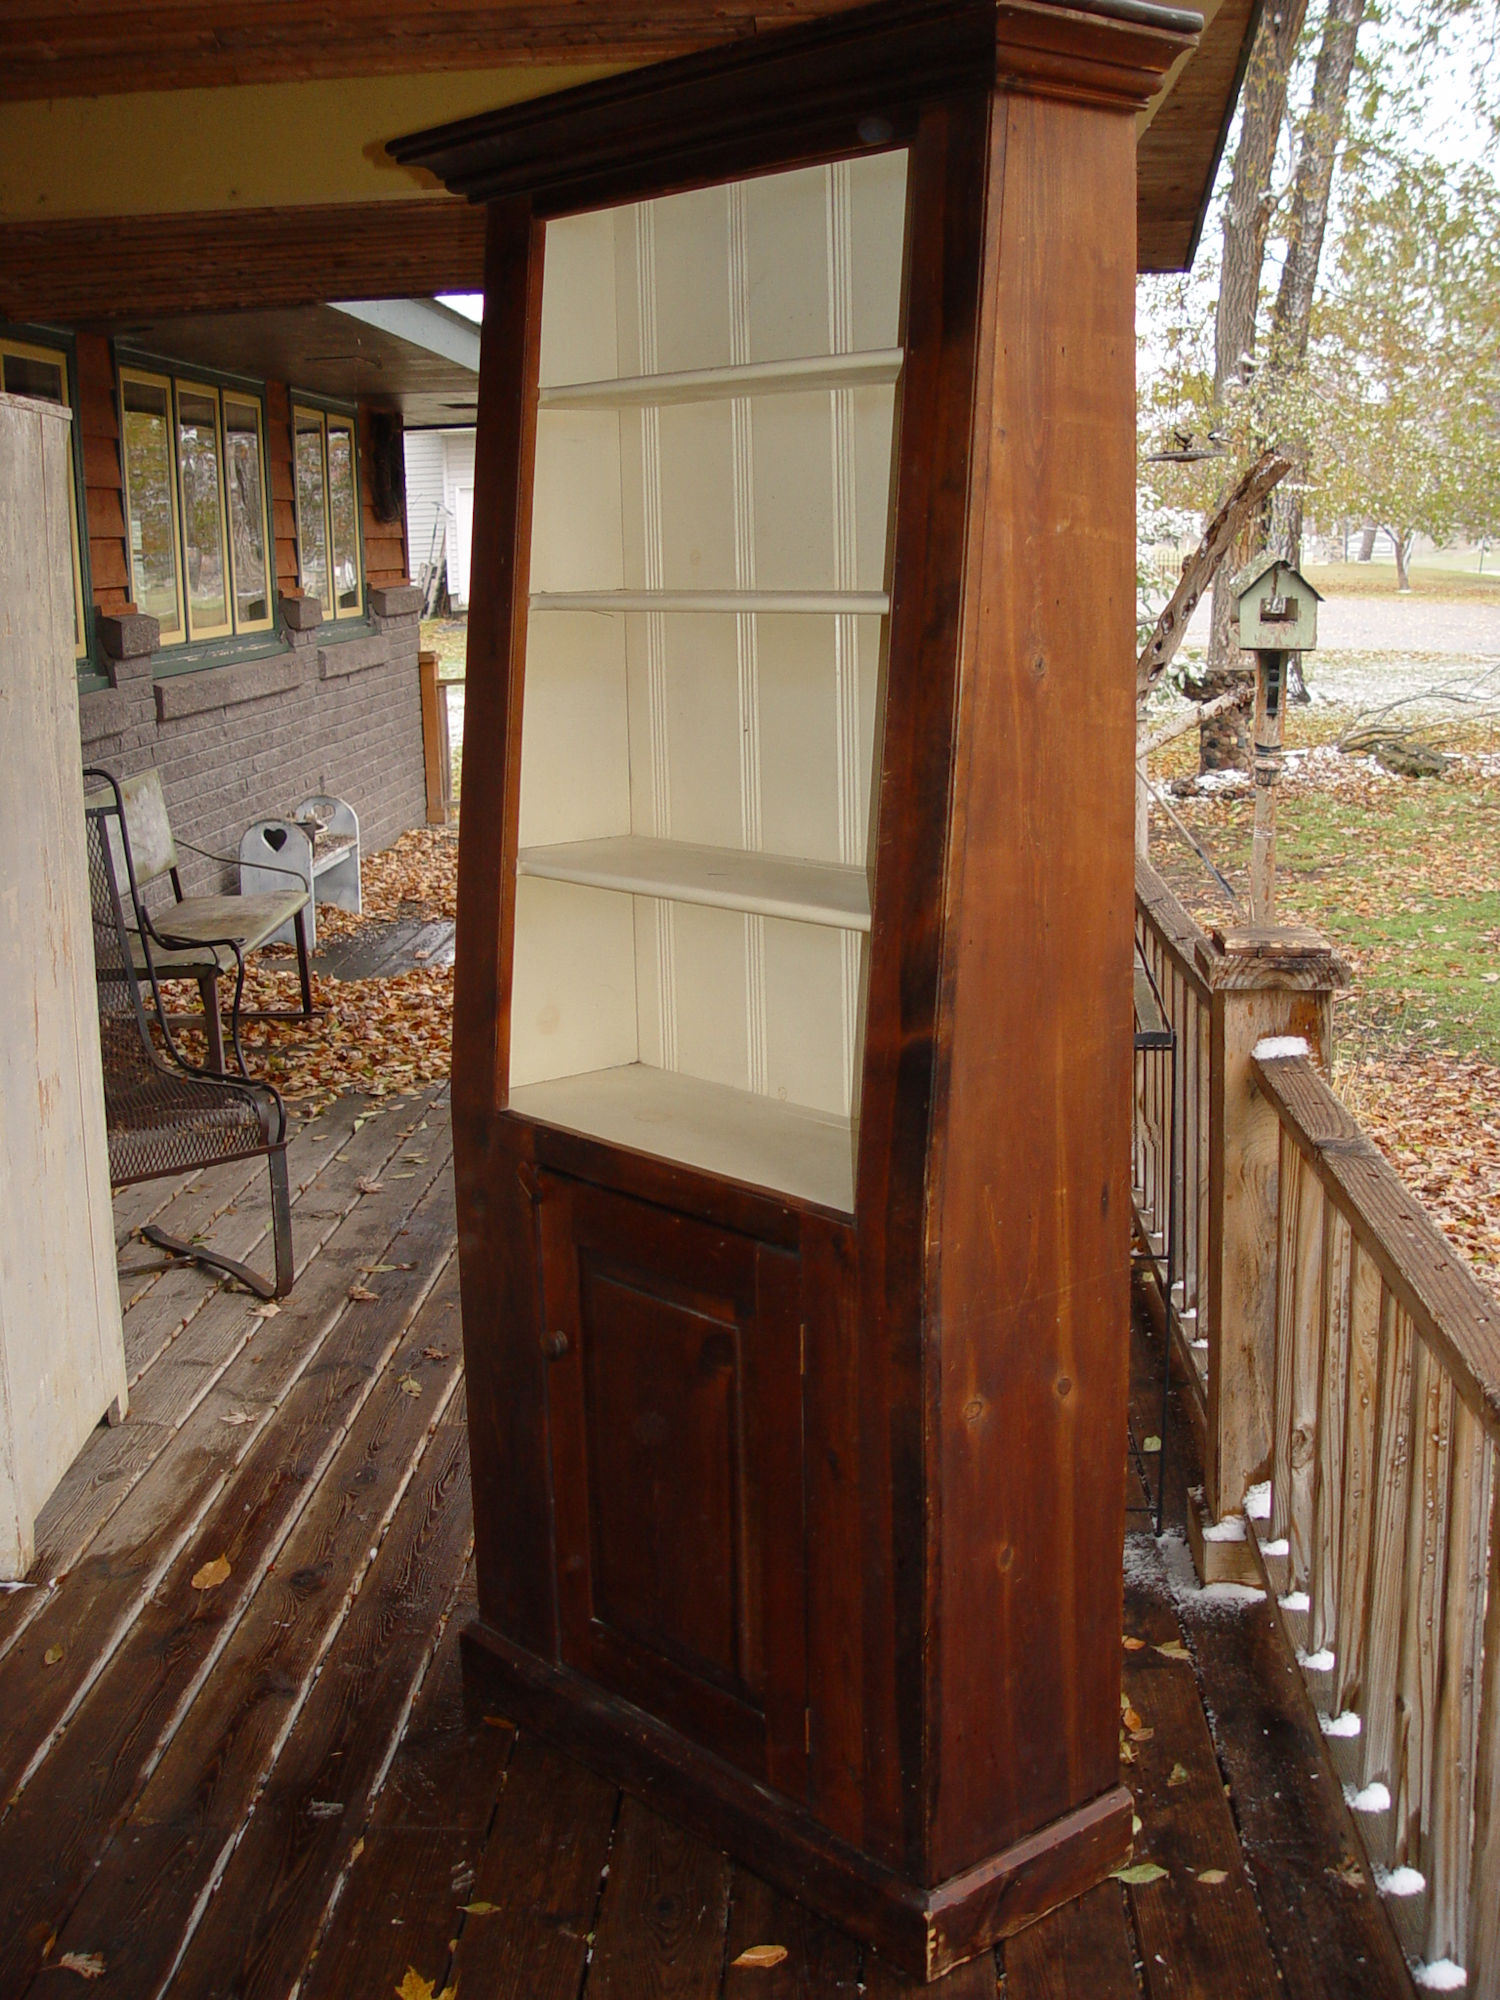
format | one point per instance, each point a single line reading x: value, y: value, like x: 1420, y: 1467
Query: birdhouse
x: 1276, y: 607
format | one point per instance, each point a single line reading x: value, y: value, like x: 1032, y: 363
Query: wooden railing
x: 1381, y: 1518
x: 1350, y: 1365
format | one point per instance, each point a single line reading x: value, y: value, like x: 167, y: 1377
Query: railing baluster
x: 1482, y: 1959
x: 1387, y: 1595
x: 1450, y: 1816
x: 1427, y: 1544
x: 1328, y: 1493
x: 1369, y: 1305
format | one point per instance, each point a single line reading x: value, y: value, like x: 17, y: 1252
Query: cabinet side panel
x: 1030, y: 1204
x: 497, y: 1238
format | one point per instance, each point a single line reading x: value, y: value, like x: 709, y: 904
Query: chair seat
x: 196, y: 924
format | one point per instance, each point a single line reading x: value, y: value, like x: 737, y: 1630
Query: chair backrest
x: 152, y: 848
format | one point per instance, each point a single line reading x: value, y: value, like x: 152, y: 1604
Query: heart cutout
x: 275, y: 837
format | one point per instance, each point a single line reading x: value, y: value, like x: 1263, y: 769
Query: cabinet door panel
x: 675, y: 1436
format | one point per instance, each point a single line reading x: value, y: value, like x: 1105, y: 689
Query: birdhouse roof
x: 1263, y: 564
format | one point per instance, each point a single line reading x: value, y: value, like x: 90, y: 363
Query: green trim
x: 348, y: 627
x: 66, y: 343
x: 223, y: 652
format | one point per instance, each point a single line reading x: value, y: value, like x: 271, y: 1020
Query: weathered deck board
x: 282, y: 1781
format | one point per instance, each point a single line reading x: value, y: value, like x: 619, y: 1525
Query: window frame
x: 322, y: 415
x: 251, y: 639
x: 227, y: 630
x: 62, y: 353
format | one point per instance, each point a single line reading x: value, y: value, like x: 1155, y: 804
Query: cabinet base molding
x: 921, y: 1931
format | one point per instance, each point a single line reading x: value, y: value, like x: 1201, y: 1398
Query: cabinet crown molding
x: 847, y: 83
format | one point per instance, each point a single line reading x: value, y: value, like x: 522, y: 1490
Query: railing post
x: 435, y: 751
x: 1267, y: 980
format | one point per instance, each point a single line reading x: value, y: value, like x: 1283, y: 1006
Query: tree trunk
x: 1367, y: 536
x: 1247, y: 218
x: 1402, y: 540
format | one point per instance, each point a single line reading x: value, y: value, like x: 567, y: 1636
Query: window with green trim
x: 327, y: 488
x: 195, y: 502
x: 27, y: 370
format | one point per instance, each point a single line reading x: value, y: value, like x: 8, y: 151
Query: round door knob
x: 554, y: 1345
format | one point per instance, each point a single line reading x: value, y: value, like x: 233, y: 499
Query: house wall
x: 337, y: 709
x: 424, y: 491
x: 458, y: 498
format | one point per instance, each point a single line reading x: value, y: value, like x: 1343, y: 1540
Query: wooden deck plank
x: 821, y: 1963
x: 978, y: 1980
x: 660, y: 1934
x: 144, y: 1699
x: 400, y: 1903
x: 143, y: 1894
x: 540, y: 1873
x: 233, y: 1365
x: 1084, y: 1951
x: 271, y: 1900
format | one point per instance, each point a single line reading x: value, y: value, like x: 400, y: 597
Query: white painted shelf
x: 875, y: 368
x: 726, y: 878
x: 744, y: 1137
x: 826, y: 603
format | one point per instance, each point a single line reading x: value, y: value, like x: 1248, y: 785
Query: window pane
x: 148, y: 472
x: 312, y: 519
x: 247, y: 512
x: 344, y: 506
x: 25, y: 375
x: 202, y: 510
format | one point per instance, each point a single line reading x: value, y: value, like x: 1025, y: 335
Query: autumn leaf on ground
x: 1133, y: 1645
x: 415, y: 1987
x: 1151, y: 1444
x: 1128, y: 1716
x: 409, y: 1385
x: 1213, y: 1876
x: 1174, y: 1650
x: 1180, y: 1775
x: 765, y: 1955
x: 236, y: 1417
x: 267, y: 1309
x: 1139, y: 1872
x: 367, y: 1186
x: 479, y: 1909
x: 87, y: 1964
x: 436, y: 1353
x: 52, y: 1656
x: 362, y: 1293
x: 212, y: 1574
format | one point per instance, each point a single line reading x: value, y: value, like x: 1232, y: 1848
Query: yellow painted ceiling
x: 262, y: 145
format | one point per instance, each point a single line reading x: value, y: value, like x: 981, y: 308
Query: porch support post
x: 1267, y: 980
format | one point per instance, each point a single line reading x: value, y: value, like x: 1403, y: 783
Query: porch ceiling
x: 266, y: 181
x: 326, y: 351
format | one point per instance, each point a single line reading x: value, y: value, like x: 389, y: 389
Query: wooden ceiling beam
x: 53, y: 51
x: 141, y: 267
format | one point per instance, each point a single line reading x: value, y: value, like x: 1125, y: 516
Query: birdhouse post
x: 1277, y: 613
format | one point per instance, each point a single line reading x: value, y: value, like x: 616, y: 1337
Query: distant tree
x: 1404, y: 368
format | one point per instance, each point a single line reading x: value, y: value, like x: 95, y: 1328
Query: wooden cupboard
x: 790, y: 1085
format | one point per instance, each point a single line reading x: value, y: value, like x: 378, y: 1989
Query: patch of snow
x: 1230, y: 1529
x: 1258, y: 1501
x: 1400, y: 1881
x: 1347, y: 1724
x: 1320, y: 1662
x: 1441, y: 1976
x: 1373, y: 1799
x: 1231, y: 1593
x: 1222, y: 781
x: 1295, y: 1600
x: 1280, y: 1547
x: 1270, y: 1046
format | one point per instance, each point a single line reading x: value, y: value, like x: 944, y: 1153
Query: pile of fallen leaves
x: 379, y: 1036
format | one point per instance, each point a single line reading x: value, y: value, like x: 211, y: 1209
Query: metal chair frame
x: 165, y: 1114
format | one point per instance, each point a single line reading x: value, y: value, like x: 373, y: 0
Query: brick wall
x: 339, y: 714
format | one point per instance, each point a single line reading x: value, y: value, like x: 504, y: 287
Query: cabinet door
x: 675, y: 1422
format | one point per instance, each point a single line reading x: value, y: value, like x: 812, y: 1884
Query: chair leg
x: 304, y: 970
x: 281, y: 1219
x: 213, y: 1026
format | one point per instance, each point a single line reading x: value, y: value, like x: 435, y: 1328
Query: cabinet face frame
x: 962, y: 1295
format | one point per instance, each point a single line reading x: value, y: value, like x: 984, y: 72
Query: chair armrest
x: 235, y: 860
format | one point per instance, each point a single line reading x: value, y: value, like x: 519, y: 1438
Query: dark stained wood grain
x: 542, y: 1870
x: 660, y: 1931
x: 978, y: 1979
x: 1084, y: 1951
x: 821, y: 1963
x: 1031, y: 1119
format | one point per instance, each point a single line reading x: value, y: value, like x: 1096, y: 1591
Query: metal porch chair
x: 163, y: 1114
x: 205, y: 938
